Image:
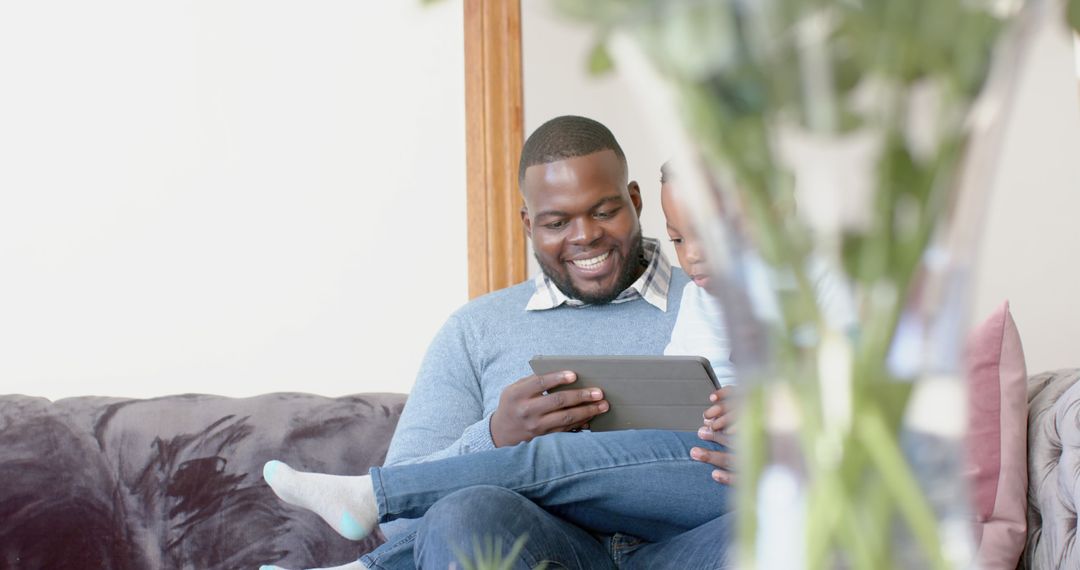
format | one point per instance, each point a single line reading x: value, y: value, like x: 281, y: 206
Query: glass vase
x: 836, y: 156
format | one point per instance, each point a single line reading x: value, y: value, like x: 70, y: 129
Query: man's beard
x: 629, y: 273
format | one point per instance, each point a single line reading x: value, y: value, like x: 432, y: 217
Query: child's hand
x: 719, y: 421
x: 720, y: 416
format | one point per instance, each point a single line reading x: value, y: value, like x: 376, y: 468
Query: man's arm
x: 444, y: 415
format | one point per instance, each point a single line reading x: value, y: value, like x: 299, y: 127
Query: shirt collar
x: 651, y: 286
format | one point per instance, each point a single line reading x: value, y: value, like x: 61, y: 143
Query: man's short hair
x: 568, y: 136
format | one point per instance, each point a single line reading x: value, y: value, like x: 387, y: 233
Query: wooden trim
x: 494, y: 127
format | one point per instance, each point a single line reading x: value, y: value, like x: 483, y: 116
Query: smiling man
x: 603, y: 290
x: 582, y: 215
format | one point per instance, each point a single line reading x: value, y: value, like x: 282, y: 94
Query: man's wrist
x: 477, y: 437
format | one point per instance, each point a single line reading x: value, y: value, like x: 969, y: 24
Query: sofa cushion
x: 175, y: 482
x: 997, y: 439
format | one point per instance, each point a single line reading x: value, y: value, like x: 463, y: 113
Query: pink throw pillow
x: 997, y: 439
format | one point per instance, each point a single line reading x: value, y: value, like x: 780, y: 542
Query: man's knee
x: 470, y: 516
x: 479, y: 506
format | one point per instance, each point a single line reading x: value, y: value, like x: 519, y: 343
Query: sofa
x: 175, y: 482
x: 1053, y: 470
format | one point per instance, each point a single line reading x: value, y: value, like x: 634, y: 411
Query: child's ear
x: 635, y: 195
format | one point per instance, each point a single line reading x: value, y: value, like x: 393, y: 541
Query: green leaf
x: 600, y: 61
x: 1072, y: 15
x: 900, y: 482
x: 893, y: 398
x: 489, y: 555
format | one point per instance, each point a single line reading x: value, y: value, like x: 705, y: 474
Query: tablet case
x: 645, y: 392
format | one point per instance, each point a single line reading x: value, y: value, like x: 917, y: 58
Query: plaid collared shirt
x: 651, y: 286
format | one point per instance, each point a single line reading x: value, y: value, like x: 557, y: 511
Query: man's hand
x: 719, y: 425
x: 525, y: 412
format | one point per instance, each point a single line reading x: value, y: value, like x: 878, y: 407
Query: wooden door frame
x: 494, y: 132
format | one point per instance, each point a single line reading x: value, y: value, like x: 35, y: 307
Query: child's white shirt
x: 700, y: 331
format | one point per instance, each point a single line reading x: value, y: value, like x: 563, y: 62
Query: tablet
x: 645, y: 392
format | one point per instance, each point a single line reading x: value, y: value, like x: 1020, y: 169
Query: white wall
x: 227, y: 196
x: 1031, y: 246
x: 1031, y: 251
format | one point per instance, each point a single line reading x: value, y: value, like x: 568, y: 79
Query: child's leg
x: 346, y: 503
x: 638, y: 482
x: 350, y: 566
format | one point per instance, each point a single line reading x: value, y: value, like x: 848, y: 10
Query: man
x: 603, y: 290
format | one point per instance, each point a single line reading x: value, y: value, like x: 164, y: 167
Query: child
x: 622, y: 481
x: 699, y: 328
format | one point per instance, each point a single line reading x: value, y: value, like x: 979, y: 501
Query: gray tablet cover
x: 645, y: 392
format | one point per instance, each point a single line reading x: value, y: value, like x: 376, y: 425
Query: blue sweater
x: 487, y: 344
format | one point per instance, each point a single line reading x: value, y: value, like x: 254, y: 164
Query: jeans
x: 610, y: 498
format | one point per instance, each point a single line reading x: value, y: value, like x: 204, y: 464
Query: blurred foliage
x: 1073, y: 14
x: 745, y: 70
x: 488, y: 554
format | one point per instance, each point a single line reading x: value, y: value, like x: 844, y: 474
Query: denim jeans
x: 611, y: 498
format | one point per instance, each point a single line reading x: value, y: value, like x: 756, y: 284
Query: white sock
x: 345, y: 503
x: 350, y: 566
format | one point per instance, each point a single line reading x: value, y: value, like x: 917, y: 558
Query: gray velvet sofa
x: 1053, y: 470
x: 176, y: 482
